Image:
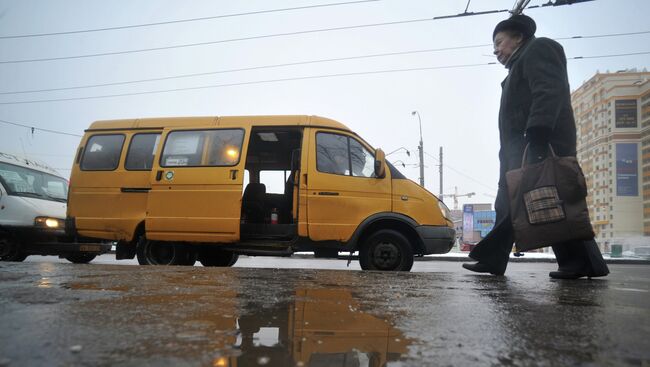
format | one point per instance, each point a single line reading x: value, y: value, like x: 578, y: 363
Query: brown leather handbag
x: 548, y: 202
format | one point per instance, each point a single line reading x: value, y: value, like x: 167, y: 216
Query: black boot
x: 482, y: 268
x: 574, y: 275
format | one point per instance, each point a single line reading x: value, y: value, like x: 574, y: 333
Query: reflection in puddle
x: 227, y: 319
x: 94, y: 287
x: 44, y: 283
x: 321, y: 327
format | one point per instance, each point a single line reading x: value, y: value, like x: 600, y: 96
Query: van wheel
x: 217, y: 257
x: 386, y: 250
x: 80, y: 258
x: 10, y: 251
x: 163, y: 253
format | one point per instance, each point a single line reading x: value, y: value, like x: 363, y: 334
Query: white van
x: 33, y: 200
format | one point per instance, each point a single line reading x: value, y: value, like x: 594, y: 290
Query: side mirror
x: 380, y: 164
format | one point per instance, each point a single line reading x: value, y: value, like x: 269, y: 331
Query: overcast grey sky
x: 458, y: 105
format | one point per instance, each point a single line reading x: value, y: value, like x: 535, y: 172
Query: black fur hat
x: 522, y: 23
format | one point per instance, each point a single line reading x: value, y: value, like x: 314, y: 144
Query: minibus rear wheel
x: 217, y: 257
x: 10, y: 250
x: 161, y: 253
x: 386, y: 249
x: 80, y: 258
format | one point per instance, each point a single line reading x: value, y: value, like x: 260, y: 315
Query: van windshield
x: 20, y: 181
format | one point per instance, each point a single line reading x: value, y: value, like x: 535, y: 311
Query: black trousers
x: 577, y: 256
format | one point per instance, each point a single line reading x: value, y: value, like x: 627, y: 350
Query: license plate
x: 89, y: 248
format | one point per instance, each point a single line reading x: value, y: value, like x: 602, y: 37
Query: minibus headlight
x: 445, y: 211
x: 47, y: 222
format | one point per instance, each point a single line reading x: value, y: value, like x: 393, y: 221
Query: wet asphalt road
x: 58, y: 314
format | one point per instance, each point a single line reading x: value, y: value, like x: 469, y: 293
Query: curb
x: 523, y: 259
x: 466, y: 258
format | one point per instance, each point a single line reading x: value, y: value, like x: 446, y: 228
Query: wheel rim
x: 160, y: 254
x: 386, y: 255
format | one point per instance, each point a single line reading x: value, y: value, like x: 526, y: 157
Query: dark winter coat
x: 535, y: 94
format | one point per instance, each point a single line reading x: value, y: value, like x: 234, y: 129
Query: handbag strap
x: 523, y: 159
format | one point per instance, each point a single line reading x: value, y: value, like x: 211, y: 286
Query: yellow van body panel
x: 153, y: 123
x: 417, y: 203
x: 337, y: 204
x: 303, y: 227
x: 102, y: 210
x: 196, y: 204
x: 204, y: 203
x: 96, y: 199
x: 222, y: 121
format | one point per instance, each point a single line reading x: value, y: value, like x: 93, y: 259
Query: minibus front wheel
x: 80, y: 258
x: 386, y: 249
x: 10, y: 250
x: 217, y: 257
x: 162, y: 253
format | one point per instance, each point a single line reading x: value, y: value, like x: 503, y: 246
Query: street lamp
x: 397, y: 150
x: 420, y: 149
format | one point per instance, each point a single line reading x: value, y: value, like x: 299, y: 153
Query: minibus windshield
x: 21, y: 181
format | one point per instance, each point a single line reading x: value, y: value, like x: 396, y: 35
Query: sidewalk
x: 536, y: 257
x: 532, y: 257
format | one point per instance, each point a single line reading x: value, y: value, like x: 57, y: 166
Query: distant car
x: 33, y: 200
x: 467, y: 246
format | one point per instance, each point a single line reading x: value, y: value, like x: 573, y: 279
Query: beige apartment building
x: 612, y: 113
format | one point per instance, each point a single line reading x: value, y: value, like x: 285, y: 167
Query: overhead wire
x: 446, y: 165
x: 323, y: 76
x: 33, y: 128
x: 302, y: 63
x: 274, y: 35
x: 248, y: 83
x: 185, y: 20
x: 249, y: 38
x: 307, y: 62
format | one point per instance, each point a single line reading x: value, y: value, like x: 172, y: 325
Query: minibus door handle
x: 159, y: 175
x: 233, y: 174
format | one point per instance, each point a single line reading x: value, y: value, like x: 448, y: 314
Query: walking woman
x: 535, y: 110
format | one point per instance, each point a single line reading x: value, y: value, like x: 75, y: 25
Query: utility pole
x: 441, y: 196
x: 420, y: 149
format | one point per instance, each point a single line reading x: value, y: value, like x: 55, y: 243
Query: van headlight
x: 47, y: 222
x: 445, y: 211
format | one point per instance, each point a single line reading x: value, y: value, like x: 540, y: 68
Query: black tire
x: 80, y: 258
x: 10, y: 251
x: 217, y: 257
x: 163, y: 253
x: 386, y: 250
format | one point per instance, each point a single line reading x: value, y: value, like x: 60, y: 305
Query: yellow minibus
x: 172, y: 191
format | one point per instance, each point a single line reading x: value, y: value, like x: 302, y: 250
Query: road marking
x: 632, y: 290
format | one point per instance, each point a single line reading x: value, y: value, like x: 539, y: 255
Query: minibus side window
x: 342, y: 155
x: 141, y: 152
x: 102, y: 153
x: 332, y: 154
x: 363, y: 162
x: 186, y: 148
